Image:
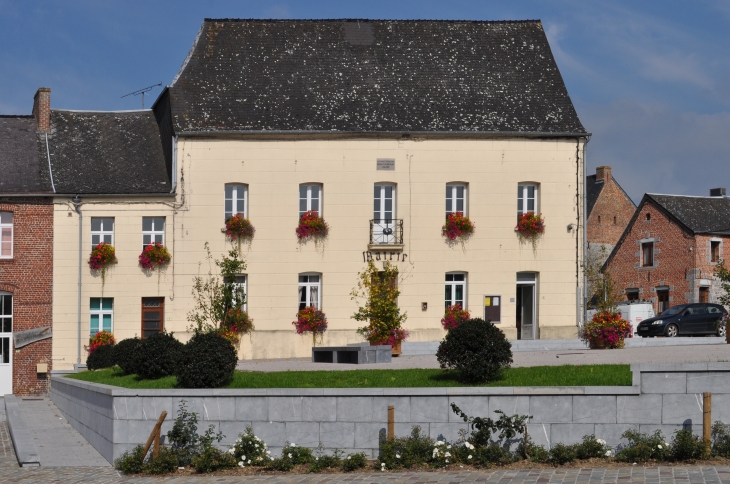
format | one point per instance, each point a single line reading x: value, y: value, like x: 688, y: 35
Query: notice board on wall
x: 493, y: 308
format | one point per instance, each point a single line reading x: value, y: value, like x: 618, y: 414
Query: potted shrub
x: 154, y: 256
x: 530, y: 226
x: 239, y: 228
x: 311, y: 320
x: 454, y: 315
x: 311, y: 225
x: 379, y: 292
x: 606, y: 330
x: 102, y: 256
x: 458, y: 226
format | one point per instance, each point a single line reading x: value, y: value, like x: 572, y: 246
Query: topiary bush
x: 477, y: 350
x: 157, y: 356
x: 101, y: 357
x: 208, y: 361
x: 123, y: 355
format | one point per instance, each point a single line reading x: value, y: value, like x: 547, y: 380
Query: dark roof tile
x: 703, y: 215
x: 23, y: 165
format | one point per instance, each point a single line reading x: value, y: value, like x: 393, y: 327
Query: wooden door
x: 153, y: 315
x: 704, y: 294
x: 663, y: 301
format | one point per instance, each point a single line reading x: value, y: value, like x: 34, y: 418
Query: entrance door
x: 704, y: 294
x: 6, y: 343
x: 527, y: 305
x: 384, y: 214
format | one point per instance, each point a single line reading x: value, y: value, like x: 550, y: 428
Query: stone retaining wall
x: 665, y: 397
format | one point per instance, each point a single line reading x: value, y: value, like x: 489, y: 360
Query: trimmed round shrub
x: 208, y: 361
x: 157, y: 356
x: 101, y: 357
x: 123, y: 354
x: 477, y: 349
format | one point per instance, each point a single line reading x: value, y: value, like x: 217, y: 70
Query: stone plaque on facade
x: 24, y: 338
x: 386, y: 164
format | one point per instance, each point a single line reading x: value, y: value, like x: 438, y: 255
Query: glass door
x: 384, y: 214
x: 6, y: 343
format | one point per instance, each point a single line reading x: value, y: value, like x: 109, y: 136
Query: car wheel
x: 672, y: 331
x: 721, y: 330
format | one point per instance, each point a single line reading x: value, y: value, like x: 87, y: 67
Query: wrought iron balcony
x: 386, y: 232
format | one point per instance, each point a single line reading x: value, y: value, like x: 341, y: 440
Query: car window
x: 713, y: 310
x: 674, y: 310
x: 699, y: 310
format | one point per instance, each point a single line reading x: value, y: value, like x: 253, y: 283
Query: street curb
x: 25, y: 449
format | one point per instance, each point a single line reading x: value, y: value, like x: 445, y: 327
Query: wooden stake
x: 707, y: 419
x: 391, y: 422
x: 155, y: 435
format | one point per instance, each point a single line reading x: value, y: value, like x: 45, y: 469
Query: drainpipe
x: 77, y: 204
x: 585, y: 228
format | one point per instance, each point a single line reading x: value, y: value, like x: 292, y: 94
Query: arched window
x: 6, y: 235
x: 527, y: 200
x: 310, y: 290
x: 456, y: 289
x: 236, y: 200
x: 310, y: 198
x: 456, y: 198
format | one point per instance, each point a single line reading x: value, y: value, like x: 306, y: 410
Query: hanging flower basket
x: 102, y: 338
x: 530, y: 227
x: 102, y: 256
x: 154, y: 256
x: 454, y: 315
x: 311, y: 320
x: 312, y: 225
x: 458, y: 226
x: 239, y: 228
x: 235, y: 324
x: 606, y: 330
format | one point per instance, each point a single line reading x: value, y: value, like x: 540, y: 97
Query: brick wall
x: 681, y: 260
x: 29, y: 277
x: 611, y: 214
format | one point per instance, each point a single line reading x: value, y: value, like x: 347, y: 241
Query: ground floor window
x: 662, y: 300
x: 455, y: 289
x: 153, y: 312
x: 632, y: 294
x: 101, y: 310
x: 310, y: 292
x: 6, y: 326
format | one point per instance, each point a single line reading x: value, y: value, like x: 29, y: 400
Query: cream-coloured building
x: 382, y: 127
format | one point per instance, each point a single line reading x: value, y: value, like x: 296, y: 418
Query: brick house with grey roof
x: 669, y: 251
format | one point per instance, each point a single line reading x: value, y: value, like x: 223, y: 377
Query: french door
x: 384, y: 224
x: 6, y: 343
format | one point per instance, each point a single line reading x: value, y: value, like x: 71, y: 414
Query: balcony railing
x: 386, y: 232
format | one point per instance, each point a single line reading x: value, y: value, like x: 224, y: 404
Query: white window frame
x: 104, y: 233
x: 242, y: 284
x: 308, y: 285
x: 101, y: 313
x: 522, y: 195
x: 452, y: 196
x: 454, y: 284
x: 236, y: 200
x: 309, y: 199
x: 155, y: 232
x: 4, y: 227
x: 382, y: 199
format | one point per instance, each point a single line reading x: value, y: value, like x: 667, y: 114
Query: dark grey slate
x: 23, y: 165
x: 699, y: 214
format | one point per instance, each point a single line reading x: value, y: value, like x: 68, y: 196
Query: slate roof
x: 107, y: 153
x: 371, y: 76
x: 22, y: 170
x: 593, y: 191
x: 701, y: 215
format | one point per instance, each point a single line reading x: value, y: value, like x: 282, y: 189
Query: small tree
x: 723, y: 274
x: 216, y: 295
x: 379, y: 292
x: 601, y: 290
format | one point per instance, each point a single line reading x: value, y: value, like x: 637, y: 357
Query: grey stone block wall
x: 663, y: 397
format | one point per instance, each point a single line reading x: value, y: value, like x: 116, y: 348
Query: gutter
x: 93, y: 195
x: 77, y: 204
x: 532, y: 134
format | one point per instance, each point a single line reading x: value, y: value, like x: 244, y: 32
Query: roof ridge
x: 24, y: 116
x: 686, y: 196
x: 350, y: 19
x: 102, y: 112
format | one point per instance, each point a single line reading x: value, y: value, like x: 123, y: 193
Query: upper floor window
x: 310, y: 293
x: 714, y: 250
x: 102, y: 230
x: 384, y: 202
x: 455, y: 198
x: 526, y: 198
x: 153, y: 230
x: 6, y: 235
x: 455, y: 289
x: 310, y: 198
x: 236, y: 200
x: 101, y: 313
x: 647, y: 254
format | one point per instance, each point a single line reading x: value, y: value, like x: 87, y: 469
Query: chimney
x: 718, y: 192
x: 603, y: 173
x: 42, y: 109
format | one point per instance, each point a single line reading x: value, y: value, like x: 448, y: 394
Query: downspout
x: 77, y: 204
x: 585, y: 229
x: 50, y: 170
x: 578, y: 295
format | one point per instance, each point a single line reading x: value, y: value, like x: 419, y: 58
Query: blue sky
x: 650, y: 79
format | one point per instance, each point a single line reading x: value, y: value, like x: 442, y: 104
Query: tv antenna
x: 142, y: 92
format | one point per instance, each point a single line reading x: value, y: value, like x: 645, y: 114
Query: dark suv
x: 688, y: 319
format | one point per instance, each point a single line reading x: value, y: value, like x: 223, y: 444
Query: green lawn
x: 568, y: 375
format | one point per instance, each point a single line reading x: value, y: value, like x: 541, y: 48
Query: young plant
x: 379, y: 292
x: 249, y: 450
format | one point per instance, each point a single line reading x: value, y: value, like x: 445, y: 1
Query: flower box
x: 154, y: 256
x: 239, y: 228
x: 311, y: 225
x: 311, y: 320
x: 458, y: 226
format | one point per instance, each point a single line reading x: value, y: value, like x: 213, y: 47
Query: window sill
x: 385, y: 247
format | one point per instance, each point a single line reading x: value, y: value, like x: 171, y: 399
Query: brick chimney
x: 42, y: 109
x: 603, y: 173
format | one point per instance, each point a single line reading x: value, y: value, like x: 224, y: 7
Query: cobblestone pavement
x: 655, y: 354
x: 627, y: 475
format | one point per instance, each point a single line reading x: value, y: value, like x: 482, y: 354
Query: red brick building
x: 669, y: 251
x: 26, y: 252
x: 609, y: 211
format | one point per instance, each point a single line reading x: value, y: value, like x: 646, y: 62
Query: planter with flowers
x: 311, y: 320
x: 235, y: 324
x: 458, y: 226
x: 239, y: 228
x: 102, y: 338
x: 311, y: 225
x: 154, y: 256
x: 102, y: 256
x: 454, y: 315
x: 606, y: 330
x: 530, y: 226
x: 385, y: 336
